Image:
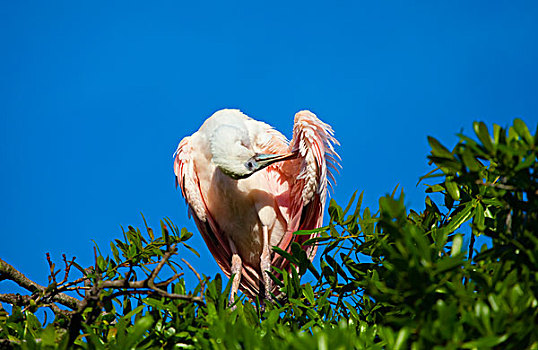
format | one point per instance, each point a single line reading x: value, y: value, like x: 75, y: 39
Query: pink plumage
x: 242, y: 212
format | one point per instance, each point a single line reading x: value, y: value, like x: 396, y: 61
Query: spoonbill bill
x: 249, y: 189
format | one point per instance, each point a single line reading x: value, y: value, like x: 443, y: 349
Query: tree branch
x: 10, y: 273
x: 149, y: 283
x: 202, y: 284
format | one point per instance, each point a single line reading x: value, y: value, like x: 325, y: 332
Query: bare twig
x: 9, y: 272
x: 508, y: 222
x: 58, y: 311
x: 68, y: 265
x: 502, y: 186
x: 15, y: 299
x: 66, y: 286
x: 197, y: 276
x: 52, y: 276
x: 170, y: 280
x: 129, y: 292
x: 149, y: 283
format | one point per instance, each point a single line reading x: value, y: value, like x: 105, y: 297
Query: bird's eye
x: 250, y: 165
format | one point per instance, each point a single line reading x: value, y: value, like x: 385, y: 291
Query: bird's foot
x: 267, y: 281
x: 236, y: 272
x: 265, y: 265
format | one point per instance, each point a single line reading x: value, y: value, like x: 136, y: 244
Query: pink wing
x: 188, y: 181
x: 315, y: 142
x: 307, y: 177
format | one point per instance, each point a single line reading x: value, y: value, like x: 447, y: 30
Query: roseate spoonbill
x: 249, y: 189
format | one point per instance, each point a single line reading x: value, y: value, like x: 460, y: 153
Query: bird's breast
x: 236, y: 206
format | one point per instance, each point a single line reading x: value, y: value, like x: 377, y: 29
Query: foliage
x: 393, y: 279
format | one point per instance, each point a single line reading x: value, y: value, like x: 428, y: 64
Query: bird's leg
x: 237, y: 268
x: 265, y: 263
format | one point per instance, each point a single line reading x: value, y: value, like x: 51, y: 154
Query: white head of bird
x: 234, y: 155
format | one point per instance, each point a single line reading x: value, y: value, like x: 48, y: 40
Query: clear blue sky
x: 95, y: 96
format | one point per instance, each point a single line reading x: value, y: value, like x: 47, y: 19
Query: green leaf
x: 470, y: 161
x: 185, y: 235
x: 136, y: 334
x: 191, y: 249
x: 452, y: 189
x: 440, y: 238
x: 308, y: 293
x: 449, y: 201
x: 438, y: 149
x: 358, y: 206
x: 457, y: 242
x: 333, y: 232
x: 450, y: 262
x: 148, y: 229
x: 447, y: 166
x: 101, y: 263
x: 512, y: 134
x: 481, y: 131
x: 133, y: 312
x: 352, y: 310
x: 78, y: 267
x: 401, y: 339
x: 165, y: 234
x: 336, y: 267
x: 430, y: 174
x: 529, y: 161
x: 314, y: 240
x: 497, y: 131
x: 350, y: 203
x: 309, y: 232
x: 115, y: 252
x: 458, y: 219
x: 434, y: 188
x: 479, y: 217
x: 48, y: 336
x: 335, y: 211
x: 394, y: 191
x: 485, y: 342
x: 285, y: 254
x: 275, y: 279
x: 523, y: 131
x: 492, y: 202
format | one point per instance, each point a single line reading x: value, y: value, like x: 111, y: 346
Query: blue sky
x: 95, y: 96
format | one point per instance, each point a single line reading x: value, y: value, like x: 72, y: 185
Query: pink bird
x: 249, y: 189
